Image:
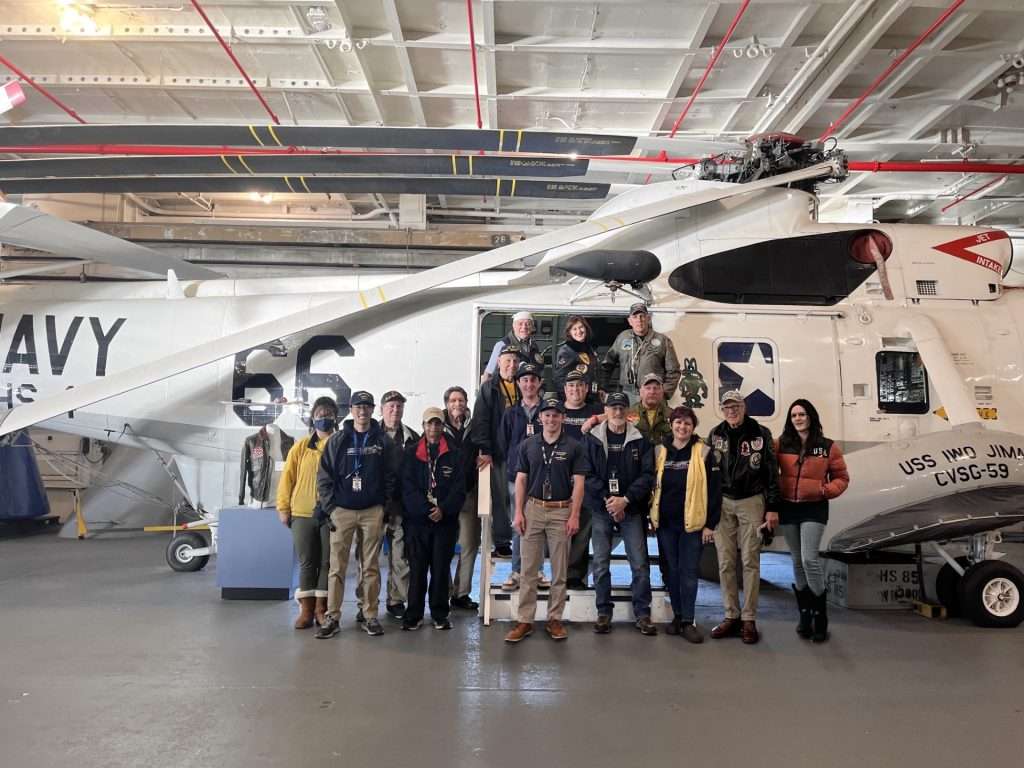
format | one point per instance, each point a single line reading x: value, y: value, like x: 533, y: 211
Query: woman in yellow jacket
x: 296, y: 499
x: 685, y: 509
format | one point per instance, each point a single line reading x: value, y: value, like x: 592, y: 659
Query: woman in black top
x: 685, y: 509
x: 578, y: 354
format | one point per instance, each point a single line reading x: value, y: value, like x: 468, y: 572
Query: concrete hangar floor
x: 111, y: 659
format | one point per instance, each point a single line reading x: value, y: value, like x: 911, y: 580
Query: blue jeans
x: 680, y: 559
x: 634, y: 536
x: 804, y: 542
x: 517, y: 559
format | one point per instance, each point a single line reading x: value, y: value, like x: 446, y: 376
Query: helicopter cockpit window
x: 902, y: 382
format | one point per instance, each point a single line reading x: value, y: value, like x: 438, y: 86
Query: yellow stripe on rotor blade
x: 245, y: 165
x: 255, y: 135
x: 227, y: 165
x: 470, y: 165
x: 286, y: 181
x: 380, y: 292
x: 363, y: 301
x: 513, y: 194
x: 519, y: 139
x: 305, y: 185
x: 272, y: 133
x: 501, y: 139
x: 497, y: 187
x: 455, y: 168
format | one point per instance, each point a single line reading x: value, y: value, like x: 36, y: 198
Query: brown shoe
x: 305, y: 617
x: 727, y: 628
x: 519, y: 632
x: 749, y: 633
x: 645, y: 626
x: 603, y: 625
x: 320, y: 611
x: 557, y: 630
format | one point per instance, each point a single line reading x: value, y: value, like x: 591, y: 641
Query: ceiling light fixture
x: 76, y: 18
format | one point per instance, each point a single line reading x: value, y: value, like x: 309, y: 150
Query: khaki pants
x: 543, y: 525
x: 369, y: 523
x: 738, y: 528
x: 469, y: 545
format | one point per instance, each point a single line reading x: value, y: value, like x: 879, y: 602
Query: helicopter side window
x: 902, y: 383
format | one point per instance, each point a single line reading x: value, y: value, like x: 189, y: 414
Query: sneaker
x: 502, y: 552
x: 328, y: 629
x: 645, y: 626
x: 396, y: 610
x: 442, y: 623
x: 411, y: 626
x: 465, y: 603
x: 360, y: 619
x: 543, y: 582
x: 373, y: 627
x: 511, y: 584
x: 575, y: 584
x: 603, y: 625
x: 691, y: 632
x: 519, y: 633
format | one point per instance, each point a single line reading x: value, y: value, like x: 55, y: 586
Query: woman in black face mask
x: 296, y: 500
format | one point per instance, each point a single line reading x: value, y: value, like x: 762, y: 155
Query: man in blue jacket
x: 617, y: 491
x: 518, y: 423
x: 356, y: 479
x: 433, y: 492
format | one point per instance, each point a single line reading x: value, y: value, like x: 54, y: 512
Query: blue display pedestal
x: 255, y: 556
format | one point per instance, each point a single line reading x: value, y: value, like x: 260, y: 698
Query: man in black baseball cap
x: 642, y: 350
x: 618, y: 487
x: 551, y: 467
x: 518, y: 423
x: 356, y: 478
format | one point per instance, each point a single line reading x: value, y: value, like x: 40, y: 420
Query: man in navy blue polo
x: 551, y: 468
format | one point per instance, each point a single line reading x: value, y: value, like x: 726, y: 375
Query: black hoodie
x: 378, y: 458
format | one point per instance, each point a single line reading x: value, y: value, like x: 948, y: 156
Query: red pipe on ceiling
x: 951, y: 167
x: 472, y: 52
x: 891, y: 68
x: 972, y: 193
x: 711, y: 65
x: 235, y: 61
x: 7, y: 63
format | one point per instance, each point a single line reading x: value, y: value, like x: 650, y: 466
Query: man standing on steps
x: 357, y: 476
x: 577, y: 412
x: 496, y: 395
x: 642, y: 350
x: 517, y: 424
x: 392, y: 408
x: 551, y: 468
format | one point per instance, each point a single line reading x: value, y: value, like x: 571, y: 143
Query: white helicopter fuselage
x: 840, y: 355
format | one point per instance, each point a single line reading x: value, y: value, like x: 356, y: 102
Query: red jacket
x: 816, y: 474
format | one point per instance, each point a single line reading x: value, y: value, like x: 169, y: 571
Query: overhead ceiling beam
x: 364, y: 69
x: 981, y: 78
x: 771, y: 63
x: 875, y: 23
x: 490, y: 83
x: 895, y: 82
x: 685, y: 64
x: 404, y: 60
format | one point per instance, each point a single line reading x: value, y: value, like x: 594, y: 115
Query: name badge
x: 357, y: 484
x: 613, y: 485
x: 529, y: 429
x: 547, y: 490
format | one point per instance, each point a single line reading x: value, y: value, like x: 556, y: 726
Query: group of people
x: 571, y: 472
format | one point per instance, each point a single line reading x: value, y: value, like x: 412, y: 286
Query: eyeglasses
x: 735, y: 407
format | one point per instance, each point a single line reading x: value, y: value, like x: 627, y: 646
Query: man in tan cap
x: 642, y: 350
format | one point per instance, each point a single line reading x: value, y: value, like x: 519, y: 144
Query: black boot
x: 804, y: 600
x: 820, y: 615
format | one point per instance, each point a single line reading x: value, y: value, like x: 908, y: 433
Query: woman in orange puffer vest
x: 812, y: 471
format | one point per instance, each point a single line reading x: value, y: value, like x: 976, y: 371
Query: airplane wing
x: 157, y: 370
x: 29, y: 228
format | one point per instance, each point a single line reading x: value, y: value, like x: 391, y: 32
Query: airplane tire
x: 947, y: 587
x: 992, y: 594
x: 180, y: 556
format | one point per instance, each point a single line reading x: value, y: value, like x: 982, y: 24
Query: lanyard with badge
x: 432, y: 470
x: 548, y: 458
x: 357, y: 479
